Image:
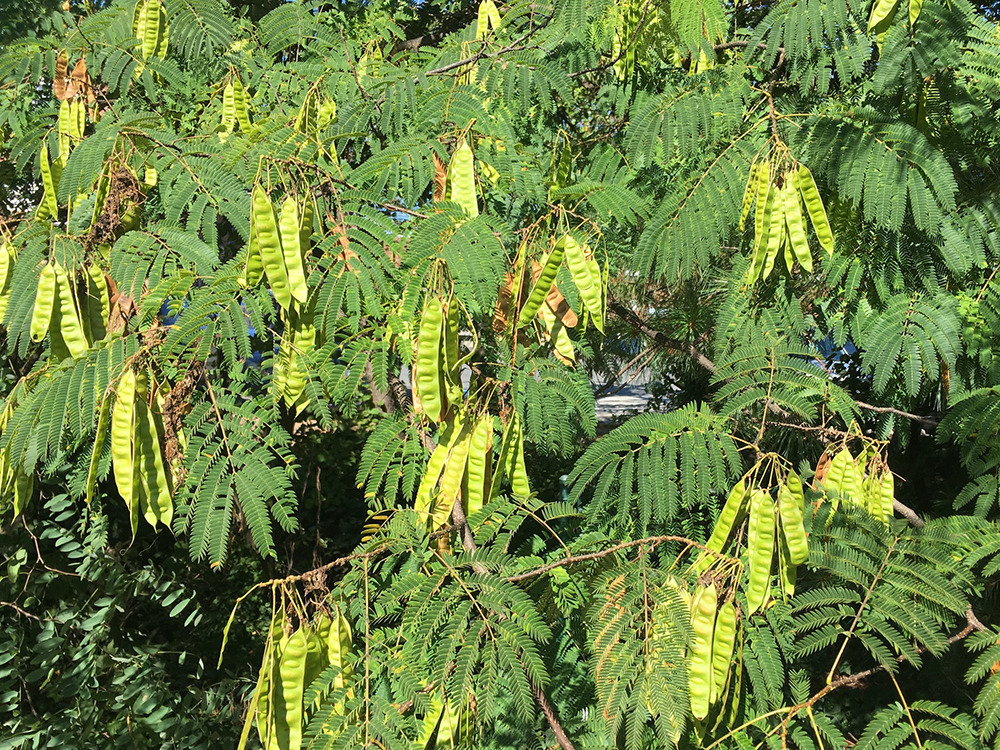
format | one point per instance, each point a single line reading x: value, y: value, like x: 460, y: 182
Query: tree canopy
x: 303, y: 305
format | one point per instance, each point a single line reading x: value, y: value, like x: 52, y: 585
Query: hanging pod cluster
x: 137, y: 458
x: 530, y: 294
x: 72, y: 309
x: 461, y: 468
x: 292, y: 663
x: 777, y: 192
x: 277, y: 246
x: 865, y: 481
x: 771, y: 528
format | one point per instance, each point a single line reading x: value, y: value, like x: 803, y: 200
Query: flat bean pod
x: 760, y: 549
x: 703, y: 610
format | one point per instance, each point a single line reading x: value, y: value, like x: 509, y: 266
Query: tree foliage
x: 230, y: 231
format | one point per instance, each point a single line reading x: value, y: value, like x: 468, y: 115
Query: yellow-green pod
x: 763, y: 193
x: 729, y: 518
x: 428, y: 364
x: 65, y: 130
x: 5, y: 264
x: 269, y: 682
x: 504, y: 466
x: 435, y: 465
x: 791, y: 502
x: 153, y: 476
x: 796, y: 223
x: 103, y: 419
x: 586, y: 282
x: 50, y: 182
x: 452, y: 322
x: 291, y: 248
x: 451, y: 478
x: 787, y: 570
x: 462, y: 179
x: 71, y: 323
x: 45, y: 299
x: 228, y: 108
x: 240, y: 106
x: 882, y: 10
x: 338, y: 646
x: 519, y: 484
x: 152, y: 30
x: 292, y: 670
x: 703, y: 610
x: 814, y: 205
x: 758, y: 254
x: 269, y: 242
x: 99, y: 302
x: 749, y: 193
x: 479, y: 473
x: 887, y: 494
x: 253, y: 266
x: 24, y: 487
x: 843, y: 476
x: 122, y: 438
x: 542, y: 287
x: 775, y: 233
x: 78, y: 118
x: 723, y: 642
x: 760, y: 550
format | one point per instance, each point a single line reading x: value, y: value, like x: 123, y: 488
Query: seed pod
x: 122, y: 439
x: 760, y: 550
x: 424, y: 501
x: 253, y: 266
x: 149, y: 458
x: 519, y: 484
x: 228, y: 108
x: 291, y: 249
x: 542, y: 286
x: 775, y: 232
x: 462, y: 179
x: 814, y: 205
x: 269, y: 242
x: 103, y: 419
x: 882, y: 10
x: 480, y: 469
x: 292, y: 668
x: 428, y: 361
x: 582, y: 271
x: 723, y: 641
x: 98, y: 303
x: 729, y: 518
x: 45, y: 299
x: 796, y: 224
x: 700, y: 673
x: 749, y: 193
x: 763, y: 193
x: 887, y: 494
x: 70, y: 323
x: 844, y: 477
x: 451, y: 477
x: 787, y: 570
x: 791, y: 501
x: 240, y: 106
x: 50, y: 182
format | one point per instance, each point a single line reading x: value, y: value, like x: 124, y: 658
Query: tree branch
x: 682, y: 347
